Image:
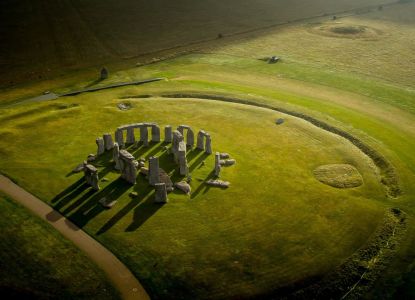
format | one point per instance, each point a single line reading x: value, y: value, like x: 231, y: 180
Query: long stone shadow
x: 197, y: 161
x: 143, y: 212
x: 70, y: 189
x: 142, y: 189
x: 89, y: 207
x: 203, y: 185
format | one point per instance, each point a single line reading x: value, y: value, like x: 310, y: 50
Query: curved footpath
x: 115, y: 270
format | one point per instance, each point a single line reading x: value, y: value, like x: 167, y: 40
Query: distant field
x: 42, y: 39
x: 36, y: 262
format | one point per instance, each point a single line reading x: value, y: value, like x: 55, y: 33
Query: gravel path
x: 115, y: 270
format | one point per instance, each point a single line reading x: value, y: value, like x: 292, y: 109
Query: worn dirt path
x: 115, y: 270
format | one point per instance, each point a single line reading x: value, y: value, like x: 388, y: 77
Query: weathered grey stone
x: 208, y: 146
x: 218, y: 183
x: 119, y: 138
x: 181, y: 158
x: 128, y: 166
x: 165, y: 178
x: 184, y: 187
x: 190, y: 138
x: 91, y: 158
x: 201, y: 140
x: 224, y: 155
x: 177, y: 139
x: 78, y: 168
x: 116, y: 156
x: 108, y: 142
x: 144, y: 135
x: 144, y: 171
x: 153, y: 174
x: 155, y: 133
x: 279, y: 121
x: 168, y: 134
x: 217, y: 164
x: 130, y: 135
x: 100, y: 146
x: 107, y: 203
x: 227, y: 162
x: 91, y: 176
x: 160, y: 193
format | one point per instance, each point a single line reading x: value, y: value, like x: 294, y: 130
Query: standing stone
x: 168, y: 134
x: 190, y: 138
x: 155, y: 133
x: 108, y: 143
x: 119, y: 138
x: 217, y: 164
x: 104, y: 73
x: 181, y: 158
x: 91, y: 176
x: 130, y: 135
x: 177, y: 139
x: 160, y: 193
x: 208, y: 146
x: 101, y: 147
x: 128, y: 166
x: 144, y: 135
x: 116, y: 156
x: 153, y: 173
x: 200, y: 140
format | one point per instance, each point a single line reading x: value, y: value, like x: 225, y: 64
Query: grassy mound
x: 339, y: 175
x: 348, y: 29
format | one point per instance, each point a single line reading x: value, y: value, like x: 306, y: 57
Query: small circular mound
x: 340, y: 176
x: 345, y: 30
x: 348, y: 29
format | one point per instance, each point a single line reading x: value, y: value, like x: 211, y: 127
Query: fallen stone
x: 144, y: 171
x: 91, y: 158
x: 107, y: 203
x: 78, y: 168
x: 124, y: 106
x: 133, y: 195
x: 227, y: 162
x: 224, y: 155
x: 184, y: 187
x: 218, y: 183
x: 279, y: 121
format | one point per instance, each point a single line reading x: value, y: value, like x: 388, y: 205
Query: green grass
x: 36, y: 262
x: 186, y: 247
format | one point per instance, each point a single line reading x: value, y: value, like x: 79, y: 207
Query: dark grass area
x: 36, y: 262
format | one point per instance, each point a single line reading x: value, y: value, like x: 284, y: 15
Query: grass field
x: 277, y: 225
x: 69, y: 35
x: 38, y: 263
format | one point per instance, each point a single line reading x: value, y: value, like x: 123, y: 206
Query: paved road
x: 116, y: 271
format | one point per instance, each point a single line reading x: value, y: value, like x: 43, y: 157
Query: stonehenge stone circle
x: 101, y: 147
x: 160, y: 193
x: 128, y: 166
x: 155, y: 133
x: 144, y: 135
x: 108, y: 143
x: 208, y: 146
x: 153, y: 170
x: 116, y: 156
x: 91, y: 176
x: 217, y: 164
x: 204, y: 142
x: 218, y: 183
x: 119, y: 138
x: 184, y: 187
x: 130, y: 135
x: 168, y: 134
x: 190, y: 136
